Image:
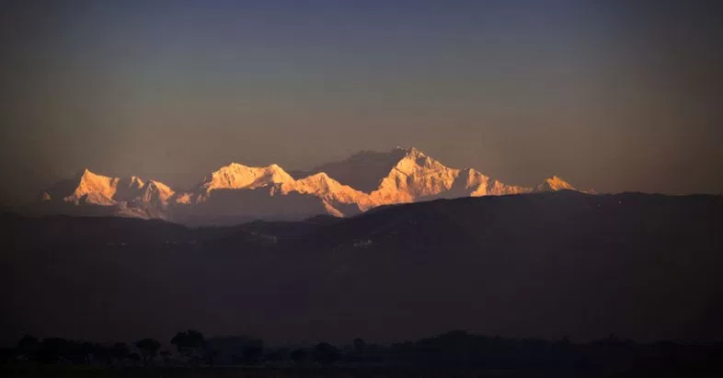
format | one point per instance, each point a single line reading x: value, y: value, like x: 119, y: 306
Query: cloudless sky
x: 611, y: 95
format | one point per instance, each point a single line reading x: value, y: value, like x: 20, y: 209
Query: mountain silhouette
x: 535, y: 265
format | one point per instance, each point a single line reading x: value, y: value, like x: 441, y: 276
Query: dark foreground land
x: 244, y: 372
x: 550, y: 267
x: 247, y: 372
x: 453, y: 354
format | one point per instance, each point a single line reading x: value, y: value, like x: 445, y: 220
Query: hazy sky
x: 611, y: 95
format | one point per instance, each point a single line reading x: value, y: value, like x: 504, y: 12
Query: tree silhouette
x: 298, y: 355
x: 134, y: 357
x: 252, y: 354
x: 189, y: 343
x: 57, y: 349
x: 149, y: 348
x: 326, y: 354
x: 211, y: 355
x: 359, y: 351
x: 166, y: 356
x: 119, y: 351
x: 452, y: 350
x: 359, y: 345
x: 29, y: 346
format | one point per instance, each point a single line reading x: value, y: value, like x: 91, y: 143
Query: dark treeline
x: 453, y: 350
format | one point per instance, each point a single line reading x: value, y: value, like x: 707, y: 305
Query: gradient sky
x: 611, y: 95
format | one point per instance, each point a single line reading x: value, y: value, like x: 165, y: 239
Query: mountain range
x: 235, y: 193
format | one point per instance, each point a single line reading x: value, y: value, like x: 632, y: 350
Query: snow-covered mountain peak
x: 94, y: 188
x: 414, y: 176
x: 158, y: 184
x: 333, y: 194
x: 554, y: 184
x: 415, y: 161
x: 156, y: 191
x: 366, y: 169
x: 136, y: 182
x: 239, y: 176
x: 87, y: 175
x: 318, y: 179
x: 410, y: 151
x: 322, y: 184
x: 90, y: 188
x: 363, y: 181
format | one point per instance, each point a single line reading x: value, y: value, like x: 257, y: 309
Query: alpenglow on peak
x: 237, y: 192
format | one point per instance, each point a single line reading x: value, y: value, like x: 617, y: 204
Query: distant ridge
x: 237, y: 192
x: 547, y: 264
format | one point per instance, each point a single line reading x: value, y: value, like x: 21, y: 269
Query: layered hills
x: 548, y: 265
